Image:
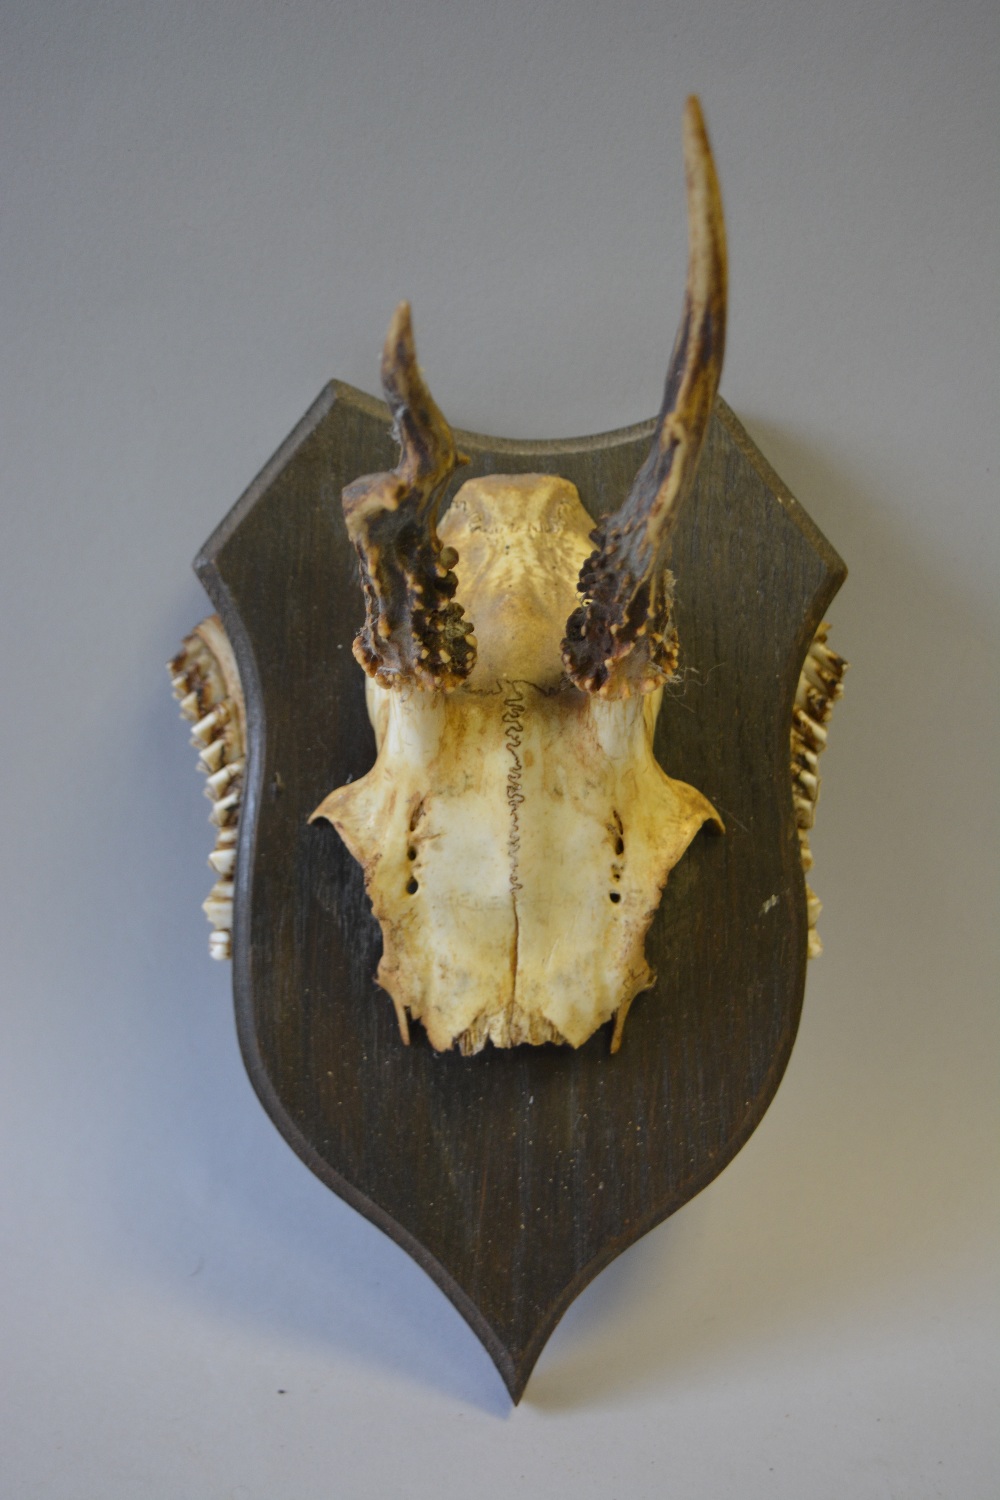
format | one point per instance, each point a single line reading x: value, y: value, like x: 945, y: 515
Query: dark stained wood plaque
x: 514, y: 1176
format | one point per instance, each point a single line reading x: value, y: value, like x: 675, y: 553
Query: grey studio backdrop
x: 207, y: 211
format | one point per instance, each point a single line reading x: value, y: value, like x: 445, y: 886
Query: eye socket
x: 412, y: 887
x: 615, y: 896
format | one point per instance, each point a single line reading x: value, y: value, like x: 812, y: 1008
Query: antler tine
x: 621, y: 639
x: 413, y: 631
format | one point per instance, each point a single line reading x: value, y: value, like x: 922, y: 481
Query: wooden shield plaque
x: 515, y: 1175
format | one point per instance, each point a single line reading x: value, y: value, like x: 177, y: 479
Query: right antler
x: 413, y: 631
x: 621, y: 639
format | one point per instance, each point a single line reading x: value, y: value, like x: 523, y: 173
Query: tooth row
x: 821, y: 683
x: 206, y: 684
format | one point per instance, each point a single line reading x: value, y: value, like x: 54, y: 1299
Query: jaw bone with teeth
x: 516, y: 830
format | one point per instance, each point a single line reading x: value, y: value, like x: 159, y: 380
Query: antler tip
x: 697, y: 151
x: 400, y: 332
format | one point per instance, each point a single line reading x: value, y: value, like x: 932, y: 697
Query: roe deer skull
x: 516, y: 830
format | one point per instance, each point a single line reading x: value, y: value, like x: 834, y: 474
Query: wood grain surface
x: 514, y: 1176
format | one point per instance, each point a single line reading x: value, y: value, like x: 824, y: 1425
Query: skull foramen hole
x: 526, y: 740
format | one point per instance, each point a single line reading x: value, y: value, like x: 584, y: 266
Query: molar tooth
x: 204, y: 731
x: 205, y: 679
x: 220, y: 944
x: 225, y: 810
x: 218, y: 910
x: 223, y: 861
x: 805, y: 813
x: 213, y: 755
x: 218, y: 783
x: 830, y: 658
x: 805, y: 758
x: 811, y: 729
x: 808, y: 783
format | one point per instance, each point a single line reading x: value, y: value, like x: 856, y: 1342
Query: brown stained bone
x: 206, y: 684
x: 414, y: 631
x: 821, y: 683
x: 621, y: 639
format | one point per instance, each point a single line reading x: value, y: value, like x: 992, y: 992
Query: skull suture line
x: 516, y: 830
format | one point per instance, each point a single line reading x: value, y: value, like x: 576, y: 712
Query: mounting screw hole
x: 615, y: 896
x: 412, y: 887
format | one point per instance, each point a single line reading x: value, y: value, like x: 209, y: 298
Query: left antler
x: 621, y: 639
x: 413, y: 631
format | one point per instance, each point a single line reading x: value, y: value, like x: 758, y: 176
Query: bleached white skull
x: 516, y: 830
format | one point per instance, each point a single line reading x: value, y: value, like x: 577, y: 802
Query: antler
x: 413, y: 630
x: 621, y: 639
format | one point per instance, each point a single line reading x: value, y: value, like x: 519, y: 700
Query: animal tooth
x: 218, y: 783
x: 218, y: 911
x: 223, y: 861
x: 808, y: 782
x: 204, y: 731
x: 805, y: 812
x: 225, y: 811
x: 823, y: 652
x: 204, y: 677
x: 213, y: 755
x: 811, y: 729
x: 220, y: 944
x: 820, y: 685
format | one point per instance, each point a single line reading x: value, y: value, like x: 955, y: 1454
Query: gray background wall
x: 207, y: 210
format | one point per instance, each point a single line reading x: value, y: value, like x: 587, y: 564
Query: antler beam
x: 413, y: 631
x: 621, y: 639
